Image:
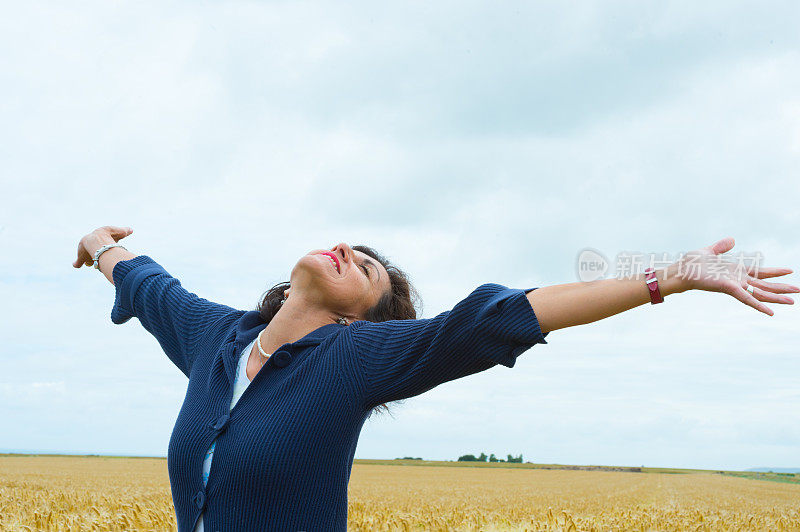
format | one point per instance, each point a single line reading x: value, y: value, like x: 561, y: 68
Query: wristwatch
x: 652, y: 286
x: 103, y: 250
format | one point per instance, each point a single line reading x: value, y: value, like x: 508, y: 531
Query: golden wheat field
x: 104, y: 493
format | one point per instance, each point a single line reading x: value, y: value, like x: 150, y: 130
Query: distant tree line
x: 490, y: 458
x: 408, y: 458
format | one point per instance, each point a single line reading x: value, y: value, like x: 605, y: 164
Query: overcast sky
x: 468, y: 142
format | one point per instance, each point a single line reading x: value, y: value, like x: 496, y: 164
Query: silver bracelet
x: 103, y: 250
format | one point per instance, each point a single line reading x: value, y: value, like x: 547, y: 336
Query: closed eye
x: 366, y: 270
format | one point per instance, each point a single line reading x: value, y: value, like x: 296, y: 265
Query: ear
x: 286, y: 292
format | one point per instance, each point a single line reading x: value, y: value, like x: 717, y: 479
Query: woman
x: 277, y: 396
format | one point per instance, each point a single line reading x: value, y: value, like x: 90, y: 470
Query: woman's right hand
x: 101, y: 236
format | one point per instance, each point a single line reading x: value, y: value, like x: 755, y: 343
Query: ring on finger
x: 750, y: 288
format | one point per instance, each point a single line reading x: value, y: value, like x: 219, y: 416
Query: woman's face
x: 342, y: 280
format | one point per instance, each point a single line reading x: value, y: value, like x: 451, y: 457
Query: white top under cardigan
x: 239, y: 386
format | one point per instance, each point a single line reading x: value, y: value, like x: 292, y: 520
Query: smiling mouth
x: 333, y: 260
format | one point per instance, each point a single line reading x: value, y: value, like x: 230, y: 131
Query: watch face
x: 98, y: 253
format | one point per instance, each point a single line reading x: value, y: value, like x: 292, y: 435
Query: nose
x: 343, y: 250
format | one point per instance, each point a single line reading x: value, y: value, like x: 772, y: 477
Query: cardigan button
x: 200, y: 499
x: 220, y: 422
x: 281, y: 359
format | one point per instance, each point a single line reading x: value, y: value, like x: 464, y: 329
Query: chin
x: 313, y: 274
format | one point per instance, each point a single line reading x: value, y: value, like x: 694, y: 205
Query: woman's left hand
x: 706, y: 269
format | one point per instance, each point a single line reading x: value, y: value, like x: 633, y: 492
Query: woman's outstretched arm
x: 177, y: 318
x: 566, y: 305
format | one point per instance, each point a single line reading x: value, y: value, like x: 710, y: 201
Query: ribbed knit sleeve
x: 176, y: 317
x: 397, y: 359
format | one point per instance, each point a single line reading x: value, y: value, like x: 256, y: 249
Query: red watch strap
x: 652, y: 285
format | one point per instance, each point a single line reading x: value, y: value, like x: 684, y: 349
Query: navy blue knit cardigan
x: 285, y: 451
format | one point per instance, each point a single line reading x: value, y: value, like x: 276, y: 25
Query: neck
x: 293, y: 321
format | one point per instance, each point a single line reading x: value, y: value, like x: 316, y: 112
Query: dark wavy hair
x: 399, y: 303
